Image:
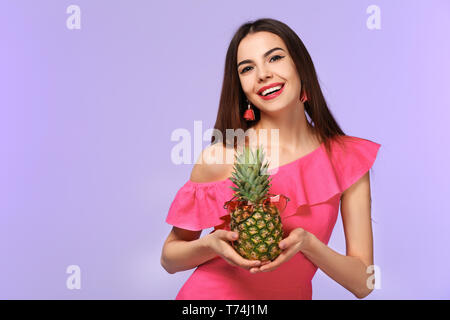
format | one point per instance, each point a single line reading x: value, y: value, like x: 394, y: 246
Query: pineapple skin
x: 260, y: 231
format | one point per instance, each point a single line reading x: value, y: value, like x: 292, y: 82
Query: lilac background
x: 86, y: 176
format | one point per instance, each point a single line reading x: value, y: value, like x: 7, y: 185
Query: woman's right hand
x: 218, y: 241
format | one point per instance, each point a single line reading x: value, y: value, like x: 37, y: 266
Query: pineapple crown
x: 250, y: 176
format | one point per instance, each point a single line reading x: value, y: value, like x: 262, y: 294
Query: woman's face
x: 259, y: 65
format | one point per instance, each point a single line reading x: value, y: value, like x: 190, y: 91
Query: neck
x: 295, y: 133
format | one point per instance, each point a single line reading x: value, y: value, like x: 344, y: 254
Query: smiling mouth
x: 274, y: 94
x: 271, y: 92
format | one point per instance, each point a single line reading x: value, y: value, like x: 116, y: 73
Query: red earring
x: 249, y: 114
x: 304, y: 97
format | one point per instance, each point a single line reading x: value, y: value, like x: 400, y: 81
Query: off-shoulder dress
x: 314, y: 184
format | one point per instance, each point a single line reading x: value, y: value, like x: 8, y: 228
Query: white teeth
x: 266, y: 92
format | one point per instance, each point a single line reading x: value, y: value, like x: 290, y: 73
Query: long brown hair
x: 232, y: 103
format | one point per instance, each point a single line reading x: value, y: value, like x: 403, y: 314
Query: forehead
x: 255, y: 45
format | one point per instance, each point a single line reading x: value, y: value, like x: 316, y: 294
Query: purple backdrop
x: 87, y: 114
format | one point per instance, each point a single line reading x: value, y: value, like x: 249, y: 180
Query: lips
x: 269, y: 86
x: 273, y: 95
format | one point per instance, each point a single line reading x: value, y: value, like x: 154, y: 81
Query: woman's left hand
x: 290, y: 245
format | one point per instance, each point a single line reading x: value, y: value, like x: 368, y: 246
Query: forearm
x: 179, y: 255
x: 348, y: 271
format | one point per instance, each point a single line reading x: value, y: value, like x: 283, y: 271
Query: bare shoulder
x: 214, y: 164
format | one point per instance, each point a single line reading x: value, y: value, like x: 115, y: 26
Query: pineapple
x: 252, y: 215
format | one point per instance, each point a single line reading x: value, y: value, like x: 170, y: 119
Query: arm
x: 348, y: 270
x: 184, y: 250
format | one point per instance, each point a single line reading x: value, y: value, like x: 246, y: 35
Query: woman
x: 320, y: 168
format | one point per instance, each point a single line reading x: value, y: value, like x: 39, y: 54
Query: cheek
x: 294, y: 80
x: 292, y: 75
x: 247, y: 85
x: 291, y: 72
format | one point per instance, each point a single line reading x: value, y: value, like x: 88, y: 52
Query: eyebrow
x: 265, y: 55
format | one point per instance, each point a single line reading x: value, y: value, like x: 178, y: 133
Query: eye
x: 276, y: 56
x: 279, y: 57
x: 244, y: 70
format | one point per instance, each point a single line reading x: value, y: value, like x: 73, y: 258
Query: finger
x: 286, y: 243
x: 239, y: 260
x: 254, y: 270
x: 247, y: 264
x: 283, y: 257
x: 229, y: 261
x: 231, y: 256
x: 227, y: 235
x: 289, y: 241
x: 232, y: 236
x: 271, y: 265
x: 258, y: 269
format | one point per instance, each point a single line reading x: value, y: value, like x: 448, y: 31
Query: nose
x: 264, y: 73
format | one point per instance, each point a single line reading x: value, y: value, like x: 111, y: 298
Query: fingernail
x: 234, y: 236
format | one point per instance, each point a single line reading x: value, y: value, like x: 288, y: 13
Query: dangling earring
x: 304, y: 97
x: 249, y: 114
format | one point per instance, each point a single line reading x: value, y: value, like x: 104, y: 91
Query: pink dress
x: 314, y: 183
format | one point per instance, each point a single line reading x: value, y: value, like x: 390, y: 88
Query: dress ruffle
x: 309, y: 180
x: 321, y: 177
x: 199, y: 206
